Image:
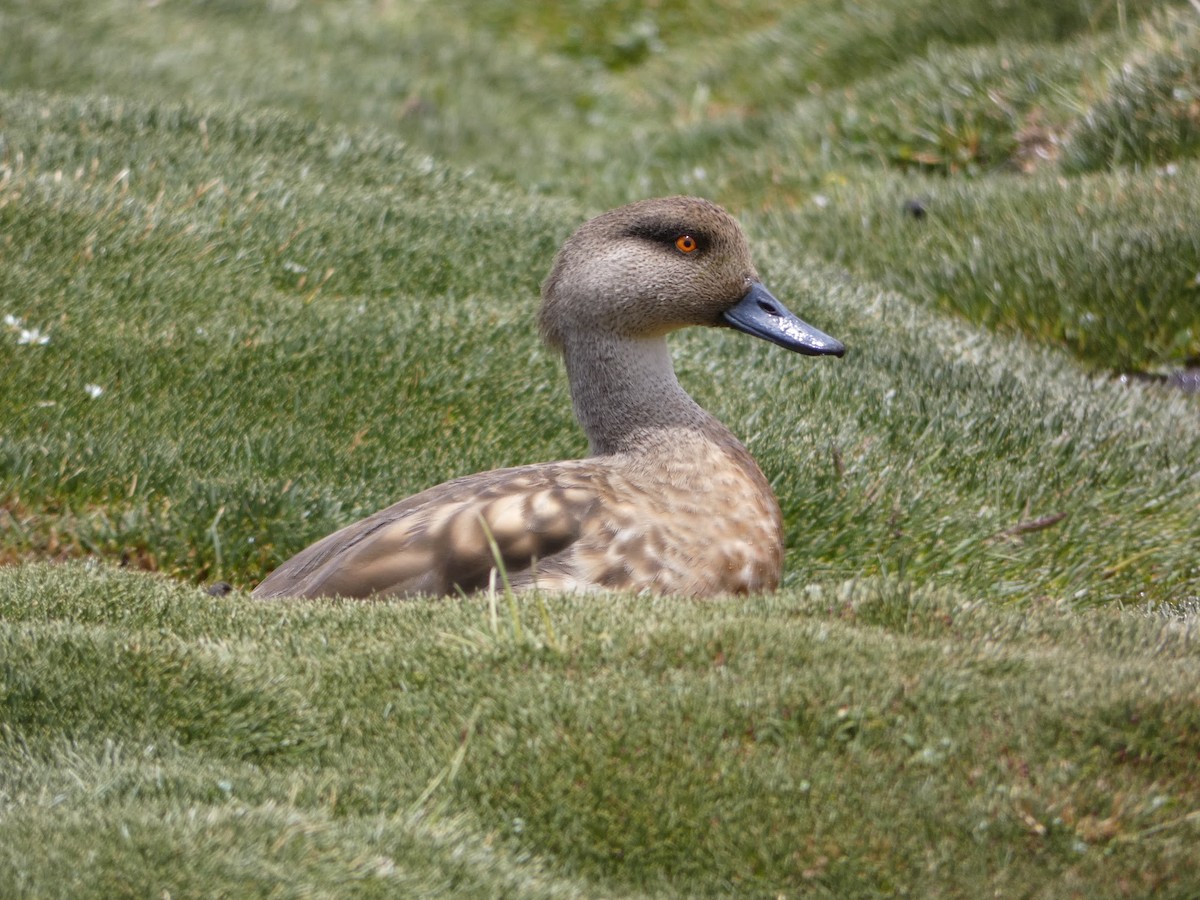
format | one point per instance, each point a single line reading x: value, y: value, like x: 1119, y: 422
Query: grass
x: 265, y: 268
x: 1149, y: 112
x: 204, y: 747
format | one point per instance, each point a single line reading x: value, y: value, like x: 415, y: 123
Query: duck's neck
x: 626, y: 395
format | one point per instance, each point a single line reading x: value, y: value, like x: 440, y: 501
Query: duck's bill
x: 760, y: 314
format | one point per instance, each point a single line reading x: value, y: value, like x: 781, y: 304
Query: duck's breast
x: 694, y: 521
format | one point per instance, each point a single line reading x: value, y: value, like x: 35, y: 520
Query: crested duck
x: 668, y: 501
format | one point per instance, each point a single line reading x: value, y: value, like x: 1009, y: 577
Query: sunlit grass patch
x: 1105, y: 266
x: 1148, y: 112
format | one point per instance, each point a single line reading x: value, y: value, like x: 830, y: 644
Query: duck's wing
x: 435, y: 542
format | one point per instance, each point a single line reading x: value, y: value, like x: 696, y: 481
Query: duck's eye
x: 685, y: 243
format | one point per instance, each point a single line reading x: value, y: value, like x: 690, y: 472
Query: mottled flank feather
x: 670, y: 502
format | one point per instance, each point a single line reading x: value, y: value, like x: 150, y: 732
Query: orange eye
x: 685, y: 243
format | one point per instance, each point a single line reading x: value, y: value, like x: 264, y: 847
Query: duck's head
x: 642, y: 270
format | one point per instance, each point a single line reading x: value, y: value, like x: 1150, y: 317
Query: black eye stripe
x: 667, y: 233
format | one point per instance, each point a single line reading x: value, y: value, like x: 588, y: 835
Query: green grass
x: 297, y: 246
x: 843, y: 740
x: 1149, y: 112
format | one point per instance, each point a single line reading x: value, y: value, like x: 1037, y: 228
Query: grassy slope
x: 231, y: 281
x: 295, y: 323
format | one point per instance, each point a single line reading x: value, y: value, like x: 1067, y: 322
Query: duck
x: 667, y: 502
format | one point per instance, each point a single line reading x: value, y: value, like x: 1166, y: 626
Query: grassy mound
x: 845, y: 740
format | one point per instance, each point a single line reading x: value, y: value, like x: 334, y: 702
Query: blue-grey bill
x: 760, y: 314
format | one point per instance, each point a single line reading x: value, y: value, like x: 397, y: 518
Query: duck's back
x: 697, y: 518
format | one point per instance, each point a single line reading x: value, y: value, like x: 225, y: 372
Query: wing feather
x: 434, y: 543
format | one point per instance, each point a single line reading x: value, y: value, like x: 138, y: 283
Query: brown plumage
x: 668, y: 501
